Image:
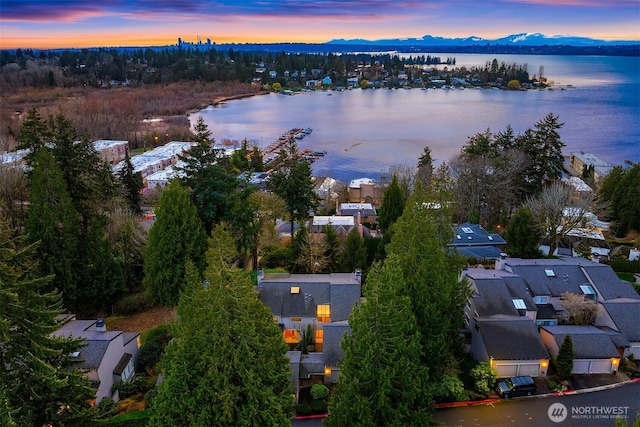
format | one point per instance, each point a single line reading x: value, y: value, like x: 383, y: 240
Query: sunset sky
x: 80, y: 23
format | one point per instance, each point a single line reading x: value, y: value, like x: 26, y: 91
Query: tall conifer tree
x: 175, y: 238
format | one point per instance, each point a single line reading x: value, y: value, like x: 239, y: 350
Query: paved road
x: 584, y: 409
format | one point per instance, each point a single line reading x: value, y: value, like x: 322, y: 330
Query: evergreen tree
x: 332, y: 247
x: 176, y: 237
x: 522, y: 236
x: 293, y: 183
x: 95, y: 276
x: 543, y: 148
x: 565, y: 359
x: 429, y: 280
x: 37, y: 386
x: 212, y: 184
x: 132, y: 184
x: 382, y: 378
x: 625, y: 201
x: 354, y: 253
x: 392, y: 205
x: 256, y: 163
x: 53, y: 221
x: 425, y: 168
x: 237, y: 372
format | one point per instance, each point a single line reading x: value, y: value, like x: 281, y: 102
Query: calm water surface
x: 367, y: 131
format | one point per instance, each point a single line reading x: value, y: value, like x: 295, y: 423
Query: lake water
x: 367, y: 131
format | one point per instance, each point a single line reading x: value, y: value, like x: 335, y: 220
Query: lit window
x: 319, y: 336
x: 519, y: 303
x: 295, y: 289
x: 296, y: 319
x: 323, y: 312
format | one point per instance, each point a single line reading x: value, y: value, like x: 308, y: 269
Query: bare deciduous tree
x: 485, y: 185
x: 582, y: 311
x: 557, y: 213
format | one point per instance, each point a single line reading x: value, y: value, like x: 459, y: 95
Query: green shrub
x: 484, y: 378
x: 149, y: 396
x: 303, y: 409
x: 276, y: 256
x: 318, y: 405
x: 138, y: 384
x: 107, y: 407
x: 153, y: 345
x: 319, y: 391
x: 131, y: 304
x: 450, y: 388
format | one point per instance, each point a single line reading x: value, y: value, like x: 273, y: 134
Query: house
x: 530, y: 291
x: 593, y: 349
x: 321, y: 301
x: 362, y: 190
x: 471, y: 240
x: 313, y: 83
x: 500, y: 319
x: 326, y: 81
x: 512, y: 346
x: 365, y: 211
x: 341, y: 224
x: 111, y: 151
x: 579, y: 161
x: 623, y: 315
x: 108, y: 356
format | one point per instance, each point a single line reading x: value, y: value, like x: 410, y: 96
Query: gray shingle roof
x: 340, y: 290
x: 625, y: 313
x: 516, y: 339
x: 496, y: 294
x: 566, y: 278
x: 589, y: 342
x: 333, y: 334
x: 609, y: 284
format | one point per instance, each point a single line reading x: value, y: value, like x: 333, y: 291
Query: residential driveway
x: 581, y: 381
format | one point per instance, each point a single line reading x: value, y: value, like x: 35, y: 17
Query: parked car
x: 515, y: 386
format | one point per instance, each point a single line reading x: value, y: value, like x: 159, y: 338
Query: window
x: 519, y: 304
x: 295, y: 289
x: 296, y: 319
x: 275, y: 319
x: 128, y: 370
x: 467, y: 230
x: 588, y: 291
x: 550, y: 273
x: 319, y: 336
x: 542, y: 300
x: 323, y: 312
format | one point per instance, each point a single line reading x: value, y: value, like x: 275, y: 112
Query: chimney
x: 358, y: 274
x: 101, y: 325
x: 500, y: 262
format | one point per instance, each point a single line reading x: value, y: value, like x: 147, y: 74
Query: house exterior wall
x: 105, y: 370
x: 549, y: 342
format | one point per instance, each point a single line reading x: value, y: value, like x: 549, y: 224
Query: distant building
x: 579, y: 161
x: 362, y: 190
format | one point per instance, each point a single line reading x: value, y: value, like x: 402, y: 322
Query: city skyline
x: 78, y: 24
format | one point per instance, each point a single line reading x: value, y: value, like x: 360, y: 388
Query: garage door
x: 530, y: 369
x: 580, y: 366
x: 505, y: 370
x: 600, y: 366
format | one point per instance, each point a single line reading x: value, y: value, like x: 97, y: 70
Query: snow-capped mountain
x: 522, y: 39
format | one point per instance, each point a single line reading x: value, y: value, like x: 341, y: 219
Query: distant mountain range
x: 522, y: 39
